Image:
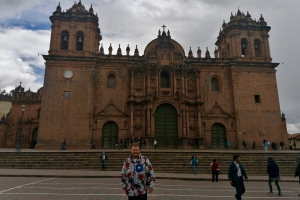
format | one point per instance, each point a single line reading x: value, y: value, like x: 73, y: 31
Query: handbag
x: 218, y: 172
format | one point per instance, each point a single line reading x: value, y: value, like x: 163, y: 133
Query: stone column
x: 148, y: 121
x: 183, y: 122
x: 131, y: 119
x: 131, y: 89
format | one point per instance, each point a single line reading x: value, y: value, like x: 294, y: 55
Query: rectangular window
x: 67, y: 94
x: 257, y: 98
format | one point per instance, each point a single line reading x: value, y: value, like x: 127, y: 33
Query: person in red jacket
x: 214, y: 170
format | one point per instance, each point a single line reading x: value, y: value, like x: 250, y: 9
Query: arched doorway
x: 109, y: 135
x: 166, y: 126
x: 34, y: 138
x: 218, y: 136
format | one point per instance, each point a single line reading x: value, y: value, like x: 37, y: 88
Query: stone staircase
x: 163, y: 161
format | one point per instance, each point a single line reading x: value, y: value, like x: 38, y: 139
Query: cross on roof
x: 163, y: 27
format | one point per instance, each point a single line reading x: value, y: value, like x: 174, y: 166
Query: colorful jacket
x: 137, y: 176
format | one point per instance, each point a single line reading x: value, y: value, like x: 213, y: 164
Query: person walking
x: 228, y: 144
x: 194, y: 163
x: 155, y: 144
x: 214, y: 166
x: 244, y: 145
x: 63, y: 145
x: 273, y: 171
x: 236, y: 172
x: 281, y: 145
x: 266, y: 145
x: 297, y: 172
x: 253, y: 145
x: 146, y: 143
x: 137, y: 175
x: 103, y: 160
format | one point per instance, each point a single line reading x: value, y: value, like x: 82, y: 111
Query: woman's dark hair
x: 214, y: 160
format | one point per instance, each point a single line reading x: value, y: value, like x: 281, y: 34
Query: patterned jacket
x: 137, y: 176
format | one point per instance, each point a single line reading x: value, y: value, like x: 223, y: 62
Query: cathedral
x: 182, y: 100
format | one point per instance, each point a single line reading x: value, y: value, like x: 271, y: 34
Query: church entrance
x: 109, y: 135
x: 166, y: 126
x: 34, y: 138
x: 218, y: 136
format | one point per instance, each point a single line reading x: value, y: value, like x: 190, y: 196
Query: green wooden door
x: 218, y: 136
x: 109, y: 135
x: 166, y: 127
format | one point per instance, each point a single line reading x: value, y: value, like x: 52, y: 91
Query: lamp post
x: 20, y: 132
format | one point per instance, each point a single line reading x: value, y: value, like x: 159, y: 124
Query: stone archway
x: 218, y: 136
x: 34, y: 138
x: 166, y: 126
x: 109, y: 135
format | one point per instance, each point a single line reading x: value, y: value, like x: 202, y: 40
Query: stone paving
x: 47, y: 188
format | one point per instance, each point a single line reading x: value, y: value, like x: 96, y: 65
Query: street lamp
x: 20, y: 132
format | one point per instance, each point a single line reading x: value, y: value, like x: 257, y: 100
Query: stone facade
x: 182, y: 101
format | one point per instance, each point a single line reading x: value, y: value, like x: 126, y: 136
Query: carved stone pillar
x: 157, y: 81
x: 187, y: 123
x: 183, y: 122
x: 131, y: 119
x: 148, y: 81
x: 182, y: 83
x: 132, y: 74
x: 148, y: 121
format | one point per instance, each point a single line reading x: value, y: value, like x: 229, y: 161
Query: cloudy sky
x: 25, y: 33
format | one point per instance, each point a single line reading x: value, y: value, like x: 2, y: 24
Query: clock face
x: 68, y: 74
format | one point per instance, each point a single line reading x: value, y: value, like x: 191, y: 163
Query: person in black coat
x: 236, y: 172
x: 297, y: 172
x: 273, y: 171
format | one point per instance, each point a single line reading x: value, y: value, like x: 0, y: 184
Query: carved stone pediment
x: 217, y: 111
x: 111, y: 109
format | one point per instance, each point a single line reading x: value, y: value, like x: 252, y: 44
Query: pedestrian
x: 194, y: 163
x: 137, y: 175
x: 103, y: 160
x: 297, y: 172
x: 275, y: 145
x: 281, y: 145
x: 93, y: 145
x: 214, y: 166
x: 236, y: 172
x: 125, y: 143
x: 273, y: 171
x: 117, y: 143
x: 155, y: 143
x: 228, y: 144
x: 120, y: 145
x: 63, y: 145
x: 266, y: 145
x: 294, y: 144
x: 244, y: 145
x: 272, y: 146
x: 253, y: 145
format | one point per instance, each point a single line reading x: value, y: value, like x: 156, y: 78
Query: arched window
x: 164, y: 79
x: 111, y: 81
x: 257, y: 48
x: 244, y: 46
x: 79, y: 41
x: 214, y: 84
x: 64, y: 40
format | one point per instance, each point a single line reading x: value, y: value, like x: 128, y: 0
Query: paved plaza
x: 47, y: 188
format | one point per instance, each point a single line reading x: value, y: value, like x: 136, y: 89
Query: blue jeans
x: 195, y: 169
x: 240, y: 188
x: 103, y: 164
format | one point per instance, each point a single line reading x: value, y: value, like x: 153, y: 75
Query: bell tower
x: 244, y: 39
x: 75, y: 31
